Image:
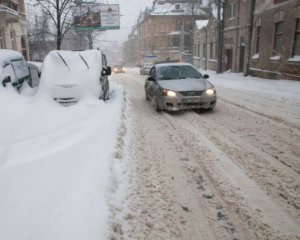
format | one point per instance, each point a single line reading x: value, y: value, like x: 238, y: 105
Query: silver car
x: 179, y: 86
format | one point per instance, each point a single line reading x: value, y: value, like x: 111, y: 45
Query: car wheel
x: 157, y: 108
x: 147, y: 97
x: 106, y: 96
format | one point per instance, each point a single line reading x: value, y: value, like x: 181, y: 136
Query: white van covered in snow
x: 69, y: 76
x: 13, y: 69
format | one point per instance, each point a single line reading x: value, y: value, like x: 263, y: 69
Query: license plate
x: 191, y: 100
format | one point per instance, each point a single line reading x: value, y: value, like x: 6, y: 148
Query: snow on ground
x: 279, y: 89
x: 61, y: 168
x: 275, y: 99
x: 55, y: 166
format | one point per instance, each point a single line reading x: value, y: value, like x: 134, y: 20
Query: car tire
x: 156, y: 106
x: 146, y: 96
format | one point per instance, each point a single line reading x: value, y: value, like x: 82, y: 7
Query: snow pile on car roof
x: 72, y: 68
x: 6, y: 55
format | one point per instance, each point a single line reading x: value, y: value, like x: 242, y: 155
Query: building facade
x: 130, y: 49
x: 165, y: 32
x: 235, y: 34
x: 13, y: 26
x: 205, y: 44
x: 275, y: 51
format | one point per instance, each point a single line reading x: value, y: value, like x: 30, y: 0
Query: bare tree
x: 60, y: 13
x: 40, y: 36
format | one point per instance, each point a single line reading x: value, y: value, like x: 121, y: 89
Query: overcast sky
x: 129, y: 10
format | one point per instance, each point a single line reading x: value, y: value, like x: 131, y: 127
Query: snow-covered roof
x: 201, y: 24
x: 167, y: 8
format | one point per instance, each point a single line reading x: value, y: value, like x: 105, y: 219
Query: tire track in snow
x: 271, y: 215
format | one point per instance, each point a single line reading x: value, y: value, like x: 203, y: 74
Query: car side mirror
x: 6, y: 80
x: 151, y: 79
x: 106, y: 71
x: 206, y: 76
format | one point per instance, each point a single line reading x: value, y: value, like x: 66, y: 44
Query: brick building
x: 276, y: 39
x: 205, y: 44
x: 130, y: 49
x: 165, y: 31
x: 13, y: 26
x: 235, y: 34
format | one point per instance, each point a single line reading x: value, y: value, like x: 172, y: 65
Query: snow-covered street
x: 229, y: 174
x: 120, y: 170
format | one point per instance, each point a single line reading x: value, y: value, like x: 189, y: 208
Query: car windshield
x: 177, y: 72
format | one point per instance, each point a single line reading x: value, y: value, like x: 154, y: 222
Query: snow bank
x: 55, y: 166
x: 277, y: 89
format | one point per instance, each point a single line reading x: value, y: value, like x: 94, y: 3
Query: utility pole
x: 206, y: 46
x: 220, y: 38
x: 250, y: 30
x: 181, y: 44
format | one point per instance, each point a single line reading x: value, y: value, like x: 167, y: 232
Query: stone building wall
x: 267, y: 61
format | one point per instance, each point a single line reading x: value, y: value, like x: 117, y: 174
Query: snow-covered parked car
x: 69, y: 76
x: 13, y: 69
x: 179, y: 86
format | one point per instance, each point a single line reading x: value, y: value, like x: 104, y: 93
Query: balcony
x: 9, y: 11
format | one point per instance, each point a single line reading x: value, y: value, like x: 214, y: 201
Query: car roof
x: 63, y: 65
x: 172, y: 64
x: 7, y: 55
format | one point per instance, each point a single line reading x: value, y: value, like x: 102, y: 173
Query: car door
x: 150, y: 85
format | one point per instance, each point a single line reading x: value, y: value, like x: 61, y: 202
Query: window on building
x: 257, y: 39
x: 278, y: 38
x: 175, y: 41
x: 12, y: 39
x: 211, y: 51
x: 24, y: 46
x: 1, y: 40
x: 296, y: 48
x: 198, y: 50
x: 231, y: 10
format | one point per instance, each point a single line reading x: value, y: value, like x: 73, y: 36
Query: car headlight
x: 210, y: 91
x: 124, y: 69
x: 115, y: 69
x: 169, y: 93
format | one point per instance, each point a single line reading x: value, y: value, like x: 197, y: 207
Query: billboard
x: 96, y: 16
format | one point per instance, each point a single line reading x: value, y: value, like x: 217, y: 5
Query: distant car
x: 13, y: 69
x: 145, y: 68
x: 179, y: 86
x: 119, y: 69
x: 69, y: 76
